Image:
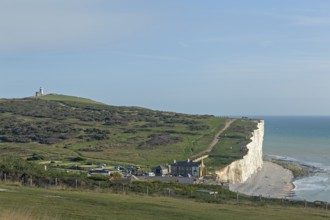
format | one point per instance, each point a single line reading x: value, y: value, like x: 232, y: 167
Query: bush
x: 77, y: 159
x: 35, y: 157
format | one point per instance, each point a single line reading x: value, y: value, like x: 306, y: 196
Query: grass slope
x: 34, y: 203
x: 232, y: 145
x: 58, y: 127
x: 58, y: 97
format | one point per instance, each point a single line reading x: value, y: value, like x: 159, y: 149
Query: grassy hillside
x: 58, y: 127
x: 232, y: 145
x: 33, y: 203
x: 58, y: 97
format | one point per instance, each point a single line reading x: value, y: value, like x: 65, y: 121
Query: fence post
x: 76, y: 184
x: 5, y: 177
x: 326, y: 205
x: 31, y: 181
x: 147, y: 190
x: 260, y: 197
x: 236, y: 197
x: 56, y: 181
x: 305, y: 203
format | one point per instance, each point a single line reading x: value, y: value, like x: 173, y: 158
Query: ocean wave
x: 320, y: 166
x: 278, y: 157
x: 315, y: 183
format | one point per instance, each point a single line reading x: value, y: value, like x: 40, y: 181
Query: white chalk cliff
x: 240, y: 170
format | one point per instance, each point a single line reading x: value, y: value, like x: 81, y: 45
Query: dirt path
x: 215, y: 140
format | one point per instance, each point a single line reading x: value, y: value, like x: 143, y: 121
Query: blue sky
x: 216, y: 57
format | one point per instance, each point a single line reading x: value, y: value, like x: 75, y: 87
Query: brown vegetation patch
x: 156, y: 140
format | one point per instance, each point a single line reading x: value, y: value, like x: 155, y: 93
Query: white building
x: 40, y: 92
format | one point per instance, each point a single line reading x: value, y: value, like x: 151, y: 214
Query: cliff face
x: 239, y: 171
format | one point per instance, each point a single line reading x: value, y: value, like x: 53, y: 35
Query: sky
x: 219, y: 57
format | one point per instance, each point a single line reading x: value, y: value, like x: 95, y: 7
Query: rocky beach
x: 271, y: 180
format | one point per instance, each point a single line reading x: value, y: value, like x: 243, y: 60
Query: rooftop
x: 186, y: 163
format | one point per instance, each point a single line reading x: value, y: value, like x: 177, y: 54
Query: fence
x: 203, y: 193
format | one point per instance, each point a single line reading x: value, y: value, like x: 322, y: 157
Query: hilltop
x: 59, y: 127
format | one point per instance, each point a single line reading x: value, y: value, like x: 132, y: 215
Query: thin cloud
x: 152, y: 57
x: 310, y: 21
x: 261, y: 69
x: 37, y: 24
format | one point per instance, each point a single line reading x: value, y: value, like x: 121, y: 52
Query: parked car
x: 99, y: 172
x: 118, y: 167
x: 151, y: 174
x: 101, y: 165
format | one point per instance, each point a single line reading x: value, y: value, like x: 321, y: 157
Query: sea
x: 305, y: 140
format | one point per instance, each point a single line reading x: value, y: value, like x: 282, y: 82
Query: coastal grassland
x: 58, y: 127
x: 58, y: 97
x: 59, y: 204
x: 232, y: 144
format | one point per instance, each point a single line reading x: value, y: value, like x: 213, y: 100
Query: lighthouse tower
x: 41, y: 91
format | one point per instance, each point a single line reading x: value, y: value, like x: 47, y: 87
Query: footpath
x: 216, y: 139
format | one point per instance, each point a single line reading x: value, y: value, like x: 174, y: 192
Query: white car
x: 151, y: 174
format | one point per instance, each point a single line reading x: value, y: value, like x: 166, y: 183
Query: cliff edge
x: 240, y: 170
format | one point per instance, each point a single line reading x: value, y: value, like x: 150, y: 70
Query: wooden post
x: 56, y: 181
x: 31, y: 181
x: 5, y: 177
x: 76, y: 184
x: 236, y: 197
x: 326, y: 205
x: 147, y: 190
x: 305, y: 203
x: 260, y: 197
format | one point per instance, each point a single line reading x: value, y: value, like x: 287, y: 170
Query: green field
x: 33, y: 203
x: 232, y: 145
x: 59, y: 127
x: 57, y: 97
